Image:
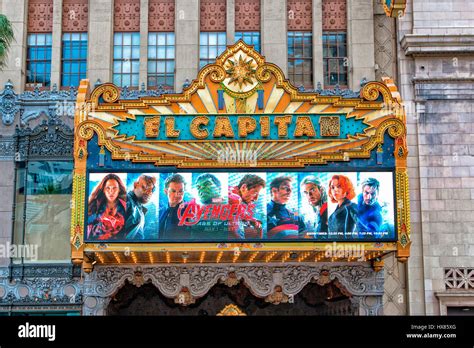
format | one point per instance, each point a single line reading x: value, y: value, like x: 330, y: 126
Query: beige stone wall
x: 436, y: 82
x: 100, y: 46
x: 15, y: 68
x: 187, y: 41
x: 274, y: 16
x: 360, y: 41
x: 443, y: 17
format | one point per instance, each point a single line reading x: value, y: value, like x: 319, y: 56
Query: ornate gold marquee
x: 240, y: 84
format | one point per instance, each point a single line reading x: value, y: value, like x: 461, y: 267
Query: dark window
x: 161, y: 59
x: 250, y: 38
x: 38, y: 61
x: 74, y: 58
x: 126, y: 59
x: 211, y: 44
x: 300, y: 58
x: 335, y: 59
x: 43, y: 210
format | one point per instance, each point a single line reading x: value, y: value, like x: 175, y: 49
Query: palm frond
x: 6, y: 29
x: 6, y: 38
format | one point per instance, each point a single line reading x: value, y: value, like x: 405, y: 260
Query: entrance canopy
x: 240, y: 167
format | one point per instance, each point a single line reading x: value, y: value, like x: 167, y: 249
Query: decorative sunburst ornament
x: 241, y: 72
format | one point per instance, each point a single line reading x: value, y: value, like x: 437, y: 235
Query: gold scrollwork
x: 231, y: 310
x: 216, y: 73
x: 108, y: 91
x: 372, y: 90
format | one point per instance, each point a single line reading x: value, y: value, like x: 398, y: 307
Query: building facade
x: 151, y: 47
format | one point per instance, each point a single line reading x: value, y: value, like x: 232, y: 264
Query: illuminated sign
x: 163, y: 174
x: 239, y: 127
x: 259, y: 206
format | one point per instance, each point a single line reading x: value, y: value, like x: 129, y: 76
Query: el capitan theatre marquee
x: 239, y: 167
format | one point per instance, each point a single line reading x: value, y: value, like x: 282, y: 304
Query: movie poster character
x: 375, y: 205
x: 208, y: 212
x: 283, y: 219
x: 342, y: 222
x: 173, y: 202
x: 106, y: 211
x: 314, y: 204
x: 246, y: 201
x: 142, y: 212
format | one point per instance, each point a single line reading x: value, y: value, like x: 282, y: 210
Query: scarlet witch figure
x: 106, y: 212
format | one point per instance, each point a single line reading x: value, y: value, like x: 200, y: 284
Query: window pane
x: 212, y: 39
x: 136, y: 39
x: 151, y: 52
x: 161, y: 52
x: 125, y: 80
x: 203, y: 52
x: 151, y: 67
x: 46, y: 200
x: 117, y: 79
x: 170, y: 67
x: 161, y: 67
x: 203, y: 39
x: 40, y: 40
x: 222, y: 39
x: 212, y: 53
x: 118, y: 39
x: 152, y: 39
x: 151, y: 81
x: 127, y: 52
x: 135, y: 52
x: 170, y: 52
x: 161, y: 39
x: 127, y: 39
x: 135, y: 66
x: 170, y: 39
x: 126, y: 67
x: 134, y: 80
x: 117, y: 67
x: 118, y: 52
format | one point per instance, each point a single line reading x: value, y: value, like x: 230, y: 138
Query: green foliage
x: 6, y: 38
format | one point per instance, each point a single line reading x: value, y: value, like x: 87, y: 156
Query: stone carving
x: 52, y: 138
x: 260, y: 278
x: 161, y: 14
x: 277, y: 296
x: 46, y: 285
x: 247, y: 15
x: 184, y: 297
x: 40, y: 16
x: 385, y: 46
x: 337, y: 91
x: 334, y: 15
x: 202, y: 278
x: 213, y: 15
x: 126, y: 15
x: 7, y: 148
x: 300, y: 16
x: 459, y: 278
x: 8, y: 104
x: 186, y: 283
x: 75, y: 16
x: 166, y: 279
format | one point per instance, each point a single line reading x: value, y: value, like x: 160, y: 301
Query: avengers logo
x: 191, y: 213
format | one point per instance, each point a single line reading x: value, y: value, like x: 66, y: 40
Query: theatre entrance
x: 313, y: 299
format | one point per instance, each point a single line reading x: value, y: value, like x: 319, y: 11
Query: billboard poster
x: 230, y: 206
